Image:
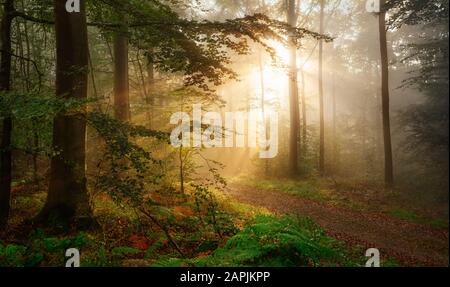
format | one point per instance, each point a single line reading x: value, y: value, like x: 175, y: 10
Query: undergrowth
x: 274, y: 241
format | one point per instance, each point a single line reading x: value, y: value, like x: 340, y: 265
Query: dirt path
x: 411, y: 244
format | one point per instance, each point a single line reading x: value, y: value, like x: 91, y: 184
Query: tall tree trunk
x: 150, y: 98
x: 67, y: 198
x: 293, y: 92
x: 364, y: 150
x: 378, y: 123
x: 121, y: 81
x: 321, y: 99
x: 5, y: 85
x: 263, y: 106
x: 144, y: 85
x: 388, y: 165
x: 335, y: 139
x: 304, y: 118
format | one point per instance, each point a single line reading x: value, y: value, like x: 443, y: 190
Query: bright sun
x: 274, y: 76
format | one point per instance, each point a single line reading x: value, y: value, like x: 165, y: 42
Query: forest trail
x: 411, y: 244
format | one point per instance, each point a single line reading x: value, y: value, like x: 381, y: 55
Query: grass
x: 243, y: 212
x: 312, y: 189
x: 305, y: 189
x: 324, y: 191
x: 415, y: 218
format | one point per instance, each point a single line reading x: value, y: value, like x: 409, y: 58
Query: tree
x: 426, y: 124
x: 67, y: 198
x: 121, y: 81
x: 304, y: 116
x: 321, y: 100
x: 388, y: 165
x: 5, y: 85
x: 178, y: 46
x: 294, y: 138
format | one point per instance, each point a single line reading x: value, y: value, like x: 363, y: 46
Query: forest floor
x: 262, y: 222
x: 410, y: 241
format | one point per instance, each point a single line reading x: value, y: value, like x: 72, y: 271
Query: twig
x: 174, y: 244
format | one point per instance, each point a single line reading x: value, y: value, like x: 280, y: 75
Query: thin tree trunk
x: 388, y: 165
x: 28, y: 47
x: 35, y: 154
x: 5, y: 85
x: 67, y: 198
x: 35, y: 151
x: 335, y: 139
x: 150, y: 99
x: 180, y: 154
x: 378, y: 126
x: 321, y: 99
x: 364, y: 127
x: 121, y: 80
x: 142, y: 78
x: 293, y: 93
x: 304, y: 117
x: 263, y: 106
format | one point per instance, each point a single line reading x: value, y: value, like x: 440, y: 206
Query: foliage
x: 273, y: 241
x: 220, y: 220
x: 125, y: 162
x: 427, y: 124
x: 414, y: 12
x: 126, y: 172
x: 33, y: 113
x: 198, y: 49
x: 40, y: 249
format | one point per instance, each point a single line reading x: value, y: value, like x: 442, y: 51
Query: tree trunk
x: 5, y: 85
x: 67, y: 198
x: 121, y: 81
x: 293, y: 92
x: 304, y: 118
x: 388, y: 165
x: 321, y: 100
x: 335, y: 139
x: 150, y: 99
x: 263, y: 106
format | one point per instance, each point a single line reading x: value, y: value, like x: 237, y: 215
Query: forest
x: 224, y: 133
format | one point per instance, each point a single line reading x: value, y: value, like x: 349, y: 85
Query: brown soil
x: 411, y: 244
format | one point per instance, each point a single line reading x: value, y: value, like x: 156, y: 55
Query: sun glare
x: 282, y: 53
x: 270, y: 79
